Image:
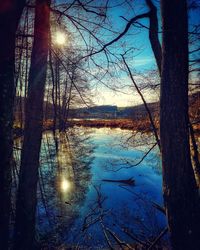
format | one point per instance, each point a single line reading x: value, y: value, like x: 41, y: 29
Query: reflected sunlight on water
x: 74, y: 164
x: 65, y: 185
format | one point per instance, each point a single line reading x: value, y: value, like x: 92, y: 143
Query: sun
x: 60, y: 38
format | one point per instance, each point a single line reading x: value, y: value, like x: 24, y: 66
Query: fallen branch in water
x: 122, y: 244
x: 164, y: 231
x: 129, y: 181
x: 158, y: 207
x: 142, y: 243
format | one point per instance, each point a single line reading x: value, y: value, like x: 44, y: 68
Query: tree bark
x: 27, y: 191
x: 156, y: 48
x: 153, y: 34
x: 195, y: 154
x: 9, y: 19
x: 179, y: 185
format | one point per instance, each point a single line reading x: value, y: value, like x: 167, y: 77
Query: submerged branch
x: 129, y: 181
x: 140, y: 161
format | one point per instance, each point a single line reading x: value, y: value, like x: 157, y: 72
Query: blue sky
x: 140, y: 59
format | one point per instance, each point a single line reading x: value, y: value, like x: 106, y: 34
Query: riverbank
x: 142, y: 125
x: 136, y: 125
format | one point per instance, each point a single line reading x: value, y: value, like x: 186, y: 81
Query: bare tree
x: 179, y: 185
x: 9, y: 19
x: 27, y: 190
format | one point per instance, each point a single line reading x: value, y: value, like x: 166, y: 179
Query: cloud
x: 142, y: 62
x: 109, y: 97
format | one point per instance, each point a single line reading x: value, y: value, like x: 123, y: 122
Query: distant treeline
x: 110, y: 112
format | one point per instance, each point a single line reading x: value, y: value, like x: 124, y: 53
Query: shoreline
x: 112, y: 123
x: 142, y: 125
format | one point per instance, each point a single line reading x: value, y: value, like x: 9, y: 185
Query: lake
x: 79, y: 205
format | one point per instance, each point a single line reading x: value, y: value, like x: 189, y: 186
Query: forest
x: 100, y: 124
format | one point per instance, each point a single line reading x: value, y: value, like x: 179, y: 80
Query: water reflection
x: 64, y: 176
x: 65, y: 185
x: 72, y: 166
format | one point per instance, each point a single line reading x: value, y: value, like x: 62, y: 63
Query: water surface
x: 78, y: 208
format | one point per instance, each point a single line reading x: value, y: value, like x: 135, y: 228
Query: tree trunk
x: 27, y: 191
x: 9, y: 19
x: 195, y: 154
x: 153, y: 34
x: 179, y: 185
x: 156, y: 48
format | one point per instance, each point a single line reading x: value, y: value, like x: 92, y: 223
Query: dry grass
x: 138, y: 125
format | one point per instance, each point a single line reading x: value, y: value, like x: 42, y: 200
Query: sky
x: 141, y: 59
